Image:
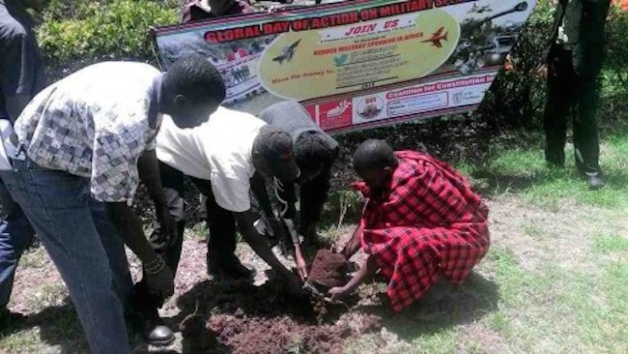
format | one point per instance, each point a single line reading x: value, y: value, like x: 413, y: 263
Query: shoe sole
x: 163, y: 343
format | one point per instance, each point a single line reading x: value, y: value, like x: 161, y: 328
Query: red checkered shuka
x: 426, y: 223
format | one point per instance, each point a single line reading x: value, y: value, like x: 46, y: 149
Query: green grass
x: 606, y: 243
x: 554, y: 281
x: 550, y: 299
x: 523, y: 172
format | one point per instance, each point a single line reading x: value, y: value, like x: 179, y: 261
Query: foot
x: 555, y: 158
x: 595, y: 182
x: 232, y: 269
x: 151, y: 327
x: 159, y: 335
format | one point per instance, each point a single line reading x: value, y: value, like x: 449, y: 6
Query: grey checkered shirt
x: 93, y: 124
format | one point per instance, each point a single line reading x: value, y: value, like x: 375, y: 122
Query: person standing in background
x: 573, y: 65
x: 21, y: 78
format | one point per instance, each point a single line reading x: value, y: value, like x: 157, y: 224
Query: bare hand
x: 337, y: 294
x: 161, y: 283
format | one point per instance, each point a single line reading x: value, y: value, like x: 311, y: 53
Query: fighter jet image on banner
x: 480, y: 9
x: 287, y: 52
x: 437, y: 37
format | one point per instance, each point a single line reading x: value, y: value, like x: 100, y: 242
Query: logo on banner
x: 335, y: 114
x: 342, y: 107
x: 370, y: 107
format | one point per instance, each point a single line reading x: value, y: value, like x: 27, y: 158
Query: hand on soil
x: 161, y: 284
x: 338, y: 293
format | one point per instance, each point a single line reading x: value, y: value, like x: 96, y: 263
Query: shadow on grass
x: 267, y: 301
x: 443, y: 307
x: 58, y: 326
x: 492, y: 183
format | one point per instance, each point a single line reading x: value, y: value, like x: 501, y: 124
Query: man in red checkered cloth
x: 421, y: 221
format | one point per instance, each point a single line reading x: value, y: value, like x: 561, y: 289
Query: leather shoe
x: 595, y: 182
x: 159, y: 335
x: 150, y: 326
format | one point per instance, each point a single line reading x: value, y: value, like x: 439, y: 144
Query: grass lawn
x: 554, y: 281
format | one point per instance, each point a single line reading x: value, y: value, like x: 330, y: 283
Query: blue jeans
x: 82, y: 243
x: 16, y: 235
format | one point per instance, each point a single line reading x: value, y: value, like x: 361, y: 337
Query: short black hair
x: 373, y: 154
x: 312, y: 152
x: 195, y: 78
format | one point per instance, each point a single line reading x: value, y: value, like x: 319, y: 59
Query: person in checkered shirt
x: 421, y: 222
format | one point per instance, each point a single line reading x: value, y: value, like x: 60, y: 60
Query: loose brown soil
x: 241, y: 318
x: 329, y: 270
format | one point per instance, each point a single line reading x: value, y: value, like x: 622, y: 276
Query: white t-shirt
x: 219, y: 150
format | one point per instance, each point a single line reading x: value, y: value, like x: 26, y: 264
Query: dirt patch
x: 329, y: 270
x: 243, y: 318
x: 253, y: 335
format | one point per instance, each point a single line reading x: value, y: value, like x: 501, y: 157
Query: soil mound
x: 251, y: 335
x: 242, y: 318
x: 329, y: 270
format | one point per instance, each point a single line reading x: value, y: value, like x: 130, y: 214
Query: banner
x: 357, y: 64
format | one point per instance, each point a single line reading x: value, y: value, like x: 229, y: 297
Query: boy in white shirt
x: 226, y: 157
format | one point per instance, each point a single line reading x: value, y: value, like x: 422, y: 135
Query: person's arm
x: 354, y: 243
x: 160, y: 278
x: 148, y: 169
x: 257, y: 242
x: 258, y: 186
x: 288, y: 194
x: 367, y: 269
x: 21, y: 68
x: 130, y: 229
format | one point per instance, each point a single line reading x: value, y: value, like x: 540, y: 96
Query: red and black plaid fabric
x: 426, y: 223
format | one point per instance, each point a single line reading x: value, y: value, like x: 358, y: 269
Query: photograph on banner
x: 357, y: 64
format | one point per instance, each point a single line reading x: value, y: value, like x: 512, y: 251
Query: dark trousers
x: 576, y: 95
x: 313, y: 196
x: 221, y: 222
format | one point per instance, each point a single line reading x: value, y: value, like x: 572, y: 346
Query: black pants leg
x: 560, y: 81
x: 585, y: 131
x: 221, y: 243
x: 173, y: 183
x: 313, y: 197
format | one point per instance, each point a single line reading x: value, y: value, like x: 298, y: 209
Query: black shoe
x: 595, y: 182
x: 151, y: 327
x: 232, y: 269
x: 159, y: 335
